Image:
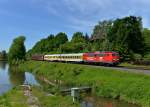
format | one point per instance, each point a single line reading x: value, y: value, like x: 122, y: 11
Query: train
x: 102, y: 58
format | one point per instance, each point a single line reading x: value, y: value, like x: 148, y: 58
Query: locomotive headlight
x: 114, y: 59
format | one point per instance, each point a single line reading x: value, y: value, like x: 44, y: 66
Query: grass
x: 53, y: 101
x: 14, y: 98
x: 130, y: 87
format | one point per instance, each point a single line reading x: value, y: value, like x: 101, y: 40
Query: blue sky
x: 36, y: 19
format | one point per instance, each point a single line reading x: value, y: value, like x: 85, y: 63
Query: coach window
x: 101, y: 55
x: 97, y: 55
x: 91, y: 55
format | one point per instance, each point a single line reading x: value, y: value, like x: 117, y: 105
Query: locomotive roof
x: 97, y: 52
x: 73, y: 54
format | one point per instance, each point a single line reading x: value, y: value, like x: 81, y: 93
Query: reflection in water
x: 16, y: 76
x: 11, y: 76
x: 103, y: 102
x: 3, y: 65
x: 30, y: 79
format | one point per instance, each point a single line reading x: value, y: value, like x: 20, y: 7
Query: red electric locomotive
x: 105, y: 58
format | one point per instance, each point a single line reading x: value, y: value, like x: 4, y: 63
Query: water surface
x: 11, y: 76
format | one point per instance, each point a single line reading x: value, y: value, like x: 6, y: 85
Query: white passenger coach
x: 64, y: 57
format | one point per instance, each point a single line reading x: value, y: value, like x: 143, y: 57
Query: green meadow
x: 130, y: 87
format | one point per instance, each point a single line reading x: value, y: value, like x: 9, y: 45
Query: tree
x: 78, y: 37
x: 17, y: 50
x: 79, y: 43
x: 101, y: 30
x: 146, y: 34
x: 51, y: 44
x: 3, y: 55
x: 61, y: 38
x: 126, y: 35
x: 100, y: 36
x: 87, y: 38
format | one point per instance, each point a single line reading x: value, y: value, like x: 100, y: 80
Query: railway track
x: 127, y: 69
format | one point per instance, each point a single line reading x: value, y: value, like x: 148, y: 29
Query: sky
x: 36, y: 19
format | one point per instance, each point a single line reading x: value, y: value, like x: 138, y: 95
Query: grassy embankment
x: 130, y: 87
x: 53, y: 101
x: 16, y: 98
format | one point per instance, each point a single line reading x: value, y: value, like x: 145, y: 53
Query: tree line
x: 3, y: 55
x: 124, y: 35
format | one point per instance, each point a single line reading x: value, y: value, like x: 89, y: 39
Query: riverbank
x: 19, y: 97
x: 13, y: 98
x: 130, y: 87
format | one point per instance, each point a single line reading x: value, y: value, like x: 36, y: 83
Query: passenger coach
x: 64, y: 57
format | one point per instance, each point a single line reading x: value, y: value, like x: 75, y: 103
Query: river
x: 10, y: 77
